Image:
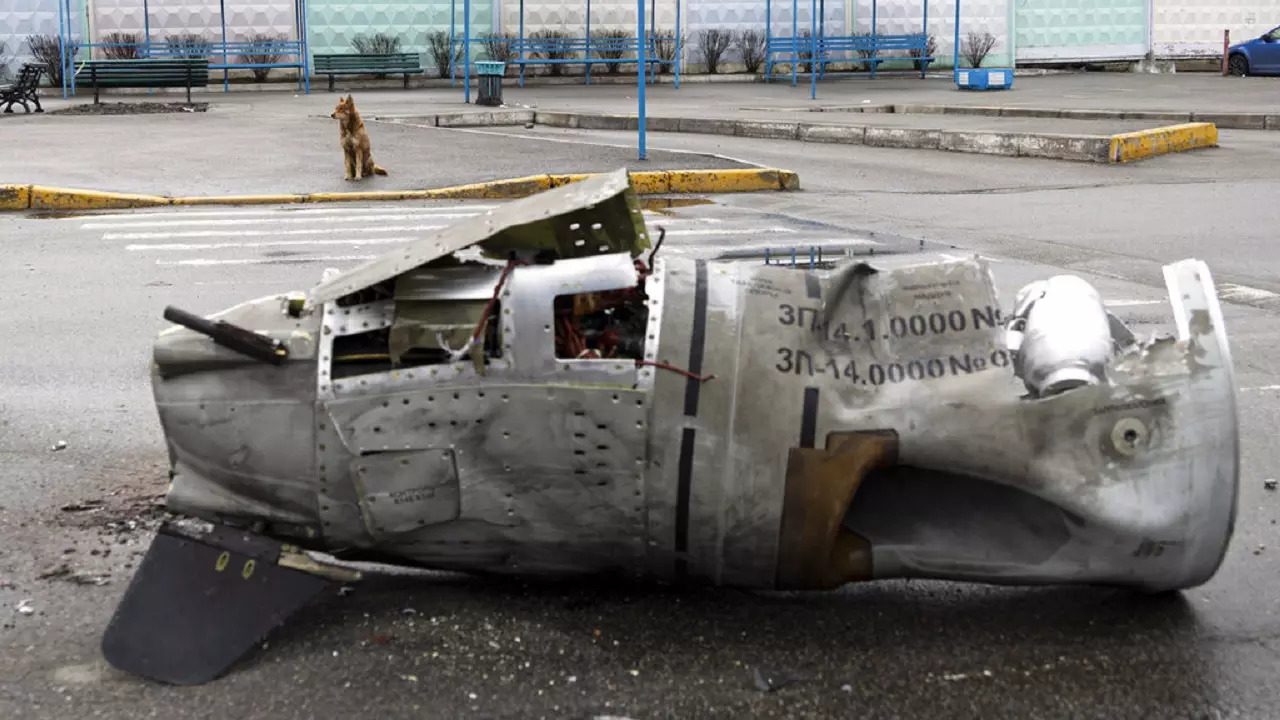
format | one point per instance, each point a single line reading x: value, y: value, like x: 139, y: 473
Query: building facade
x: 1025, y: 32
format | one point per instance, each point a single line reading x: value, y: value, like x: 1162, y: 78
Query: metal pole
x: 587, y: 67
x: 874, y: 6
x: 146, y: 27
x: 222, y: 13
x: 1226, y: 48
x: 795, y: 39
x: 453, y: 20
x: 679, y: 45
x: 640, y: 52
x: 521, y: 45
x: 955, y: 61
x: 768, y: 39
x: 62, y: 49
x: 924, y: 30
x: 306, y: 48
x: 71, y: 61
x: 813, y: 43
x: 466, y: 49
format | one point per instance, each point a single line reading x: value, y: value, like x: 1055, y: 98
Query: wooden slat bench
x: 356, y: 64
x: 145, y: 73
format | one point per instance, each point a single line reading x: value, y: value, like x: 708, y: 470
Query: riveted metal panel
x: 548, y: 477
x: 401, y: 492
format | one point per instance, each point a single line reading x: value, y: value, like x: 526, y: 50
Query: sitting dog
x: 355, y: 141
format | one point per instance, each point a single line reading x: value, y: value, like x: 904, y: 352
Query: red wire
x: 488, y: 308
x: 672, y: 368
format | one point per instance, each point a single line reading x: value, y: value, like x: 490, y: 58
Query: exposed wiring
x: 640, y: 266
x: 484, y: 316
x: 673, y: 368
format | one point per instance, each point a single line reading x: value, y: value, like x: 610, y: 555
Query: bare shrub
x: 750, y: 46
x: 664, y: 43
x: 614, y: 38
x: 976, y: 47
x: 46, y: 50
x: 554, y: 49
x: 189, y: 45
x: 713, y: 43
x: 264, y: 50
x: 930, y: 48
x: 438, y: 42
x: 120, y: 46
x: 379, y: 44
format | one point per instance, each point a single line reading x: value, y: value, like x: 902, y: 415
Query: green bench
x: 357, y: 64
x: 145, y: 73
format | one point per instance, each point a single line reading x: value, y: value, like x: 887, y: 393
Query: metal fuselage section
x: 513, y: 459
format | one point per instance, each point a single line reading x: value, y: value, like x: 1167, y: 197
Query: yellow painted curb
x: 15, y: 197
x: 1127, y: 147
x: 41, y: 197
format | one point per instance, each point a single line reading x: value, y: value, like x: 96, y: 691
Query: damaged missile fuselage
x: 565, y: 403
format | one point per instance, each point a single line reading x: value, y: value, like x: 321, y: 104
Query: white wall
x: 1193, y: 28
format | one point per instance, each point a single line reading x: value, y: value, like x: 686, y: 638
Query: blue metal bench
x: 788, y: 47
x: 222, y: 55
x: 527, y: 46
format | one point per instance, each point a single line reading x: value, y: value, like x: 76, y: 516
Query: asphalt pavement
x: 85, y: 296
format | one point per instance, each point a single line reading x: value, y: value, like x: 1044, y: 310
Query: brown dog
x: 355, y: 141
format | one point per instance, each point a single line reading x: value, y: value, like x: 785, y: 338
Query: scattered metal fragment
x: 24, y: 607
x: 60, y: 445
x: 1269, y: 483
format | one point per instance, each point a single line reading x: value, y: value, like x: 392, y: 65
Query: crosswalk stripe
x: 205, y: 262
x: 266, y: 233
x: 276, y: 221
x: 126, y: 216
x: 167, y: 247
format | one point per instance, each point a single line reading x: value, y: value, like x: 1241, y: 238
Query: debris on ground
x: 60, y: 445
x: 86, y: 506
x: 1269, y: 483
x: 24, y: 607
x: 131, y: 108
x: 63, y: 571
x: 767, y: 680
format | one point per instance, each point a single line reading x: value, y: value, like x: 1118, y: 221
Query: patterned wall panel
x: 244, y: 19
x: 1192, y: 28
x: 1080, y: 29
x: 976, y: 16
x: 22, y: 18
x: 333, y: 24
x: 570, y: 15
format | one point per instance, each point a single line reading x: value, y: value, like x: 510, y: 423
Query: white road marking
x: 1260, y: 388
x: 1128, y: 303
x: 731, y: 231
x: 275, y: 213
x: 267, y: 233
x: 954, y: 258
x: 276, y: 243
x: 1243, y: 293
x: 274, y: 221
x: 205, y: 262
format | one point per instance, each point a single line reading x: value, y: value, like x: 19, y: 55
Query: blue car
x: 1260, y: 56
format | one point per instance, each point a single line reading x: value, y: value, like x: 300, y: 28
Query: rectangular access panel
x: 1080, y: 30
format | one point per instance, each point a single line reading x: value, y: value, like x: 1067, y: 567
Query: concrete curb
x: 43, y: 197
x: 1048, y: 146
x: 1128, y: 147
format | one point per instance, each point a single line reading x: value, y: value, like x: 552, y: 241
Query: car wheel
x: 1238, y: 65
